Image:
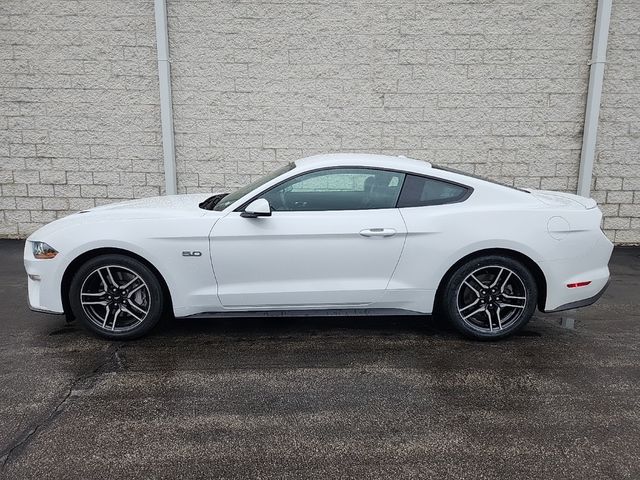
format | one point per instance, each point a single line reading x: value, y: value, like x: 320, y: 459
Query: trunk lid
x: 561, y: 199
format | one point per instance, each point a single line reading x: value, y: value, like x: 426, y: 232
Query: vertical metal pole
x: 166, y: 109
x: 594, y: 94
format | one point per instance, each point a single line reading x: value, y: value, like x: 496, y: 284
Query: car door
x: 333, y: 239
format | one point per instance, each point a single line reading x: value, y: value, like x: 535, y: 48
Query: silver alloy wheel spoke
x: 101, y: 302
x: 504, y: 284
x: 115, y: 318
x: 497, y: 279
x: 498, y: 294
x: 128, y: 284
x: 472, y: 289
x: 106, y: 317
x: 110, y: 275
x: 488, y: 312
x: 126, y: 310
x: 105, y: 285
x: 131, y: 292
x: 513, y: 297
x: 141, y: 310
x: 514, y: 301
x: 503, y: 305
x: 477, y: 281
x: 481, y: 309
x: 475, y: 302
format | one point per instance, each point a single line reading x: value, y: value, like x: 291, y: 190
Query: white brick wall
x: 495, y: 88
x: 617, y: 167
x: 79, y: 115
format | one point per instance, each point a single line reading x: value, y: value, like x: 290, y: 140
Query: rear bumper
x: 591, y: 266
x: 580, y: 303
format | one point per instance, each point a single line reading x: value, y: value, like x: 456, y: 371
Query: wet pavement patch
x: 66, y: 330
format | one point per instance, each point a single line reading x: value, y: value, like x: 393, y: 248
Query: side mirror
x: 257, y: 208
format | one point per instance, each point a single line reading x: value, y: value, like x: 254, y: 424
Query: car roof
x: 364, y: 160
x: 400, y: 163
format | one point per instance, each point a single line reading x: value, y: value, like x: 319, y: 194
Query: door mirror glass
x: 257, y: 208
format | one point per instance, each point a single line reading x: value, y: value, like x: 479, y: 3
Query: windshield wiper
x: 211, y: 202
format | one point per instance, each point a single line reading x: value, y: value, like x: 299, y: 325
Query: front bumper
x: 44, y: 280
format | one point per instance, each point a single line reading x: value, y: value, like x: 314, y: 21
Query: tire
x: 490, y: 297
x: 130, y: 311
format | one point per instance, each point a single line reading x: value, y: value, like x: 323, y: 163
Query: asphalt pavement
x: 361, y: 398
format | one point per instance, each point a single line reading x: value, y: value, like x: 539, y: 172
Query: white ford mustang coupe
x: 329, y: 234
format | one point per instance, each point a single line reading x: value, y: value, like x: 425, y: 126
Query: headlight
x: 43, y: 251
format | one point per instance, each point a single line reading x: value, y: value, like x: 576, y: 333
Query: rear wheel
x: 490, y: 297
x: 116, y: 297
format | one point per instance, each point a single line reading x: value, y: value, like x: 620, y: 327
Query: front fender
x: 190, y: 279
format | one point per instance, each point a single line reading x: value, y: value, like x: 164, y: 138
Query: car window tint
x: 338, y: 189
x: 421, y: 191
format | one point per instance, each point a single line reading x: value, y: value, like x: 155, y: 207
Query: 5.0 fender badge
x: 195, y: 253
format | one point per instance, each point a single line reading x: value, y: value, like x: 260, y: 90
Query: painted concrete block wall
x: 79, y: 115
x: 617, y: 166
x: 494, y: 88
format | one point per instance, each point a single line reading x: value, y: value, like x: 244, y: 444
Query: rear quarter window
x: 422, y: 191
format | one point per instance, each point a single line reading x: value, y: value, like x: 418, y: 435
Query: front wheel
x: 116, y: 297
x: 490, y: 297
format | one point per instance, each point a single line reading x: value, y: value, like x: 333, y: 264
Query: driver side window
x: 337, y: 189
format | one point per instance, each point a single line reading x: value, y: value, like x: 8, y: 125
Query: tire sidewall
x: 150, y: 278
x: 455, y: 280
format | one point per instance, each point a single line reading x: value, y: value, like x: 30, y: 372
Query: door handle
x: 378, y: 232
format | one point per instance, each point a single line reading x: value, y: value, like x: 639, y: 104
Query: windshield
x: 241, y: 192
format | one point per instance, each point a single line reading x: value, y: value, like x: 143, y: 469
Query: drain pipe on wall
x: 166, y: 109
x: 594, y: 94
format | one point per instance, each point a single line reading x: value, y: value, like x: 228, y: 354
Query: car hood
x: 152, y: 206
x: 169, y: 206
x: 561, y: 199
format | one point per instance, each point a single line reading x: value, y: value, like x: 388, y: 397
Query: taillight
x: 578, y: 284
